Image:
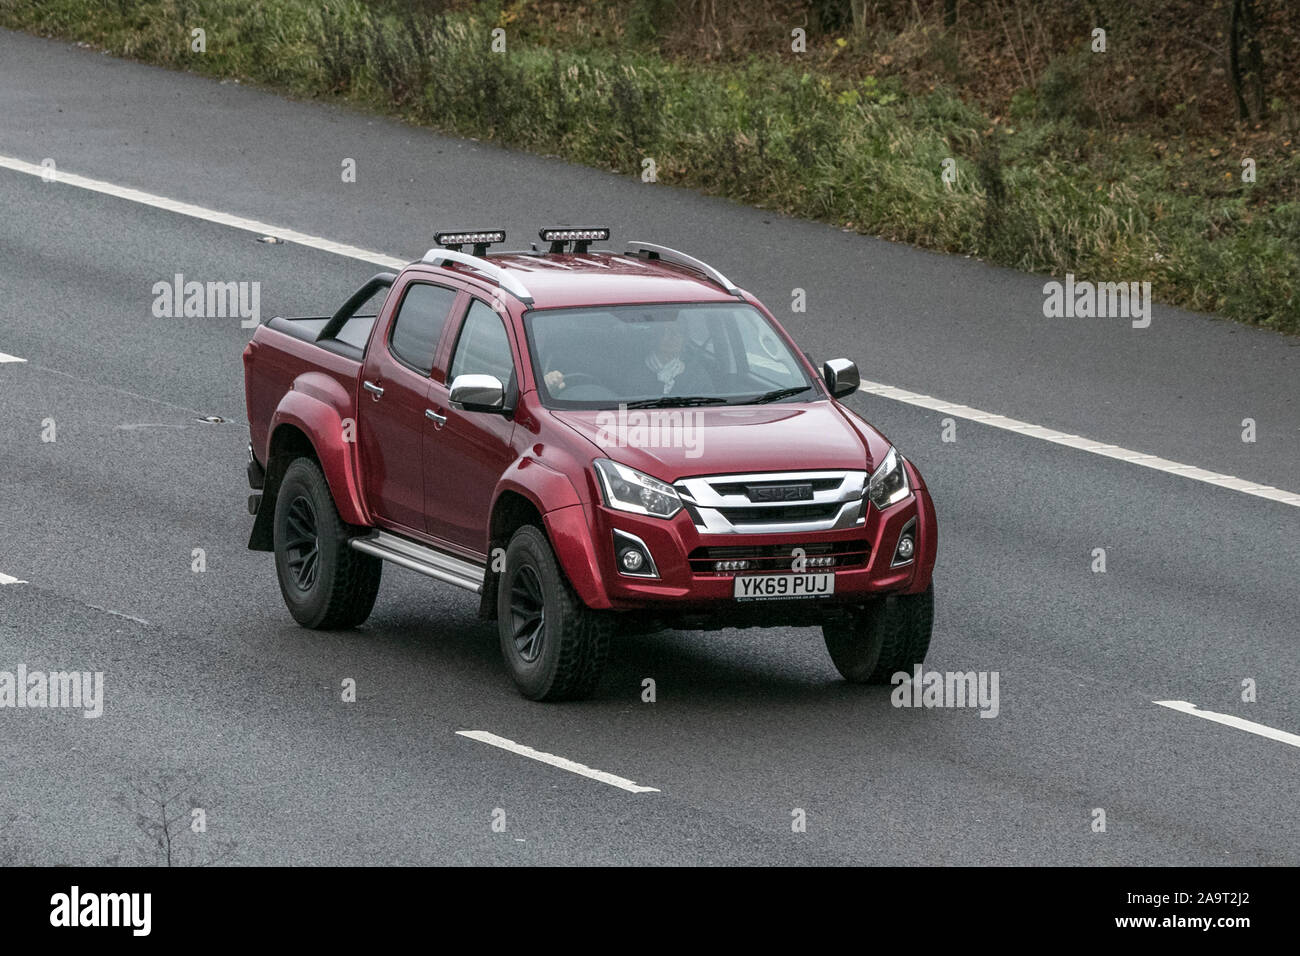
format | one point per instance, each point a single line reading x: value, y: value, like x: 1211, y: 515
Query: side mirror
x: 841, y: 377
x: 478, y: 393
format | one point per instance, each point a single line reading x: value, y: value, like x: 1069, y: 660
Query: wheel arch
x: 927, y: 533
x: 312, y: 420
x: 512, y: 509
x: 533, y: 493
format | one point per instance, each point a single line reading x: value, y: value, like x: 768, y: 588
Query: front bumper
x: 683, y: 555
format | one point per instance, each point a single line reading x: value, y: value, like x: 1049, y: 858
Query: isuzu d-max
x: 599, y: 444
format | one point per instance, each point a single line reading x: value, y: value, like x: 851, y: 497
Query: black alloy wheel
x: 303, y: 543
x: 527, y: 613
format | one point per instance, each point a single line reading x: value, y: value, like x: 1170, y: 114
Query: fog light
x: 632, y: 557
x: 905, y: 547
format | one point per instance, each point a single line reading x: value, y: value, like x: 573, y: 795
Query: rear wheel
x: 325, y: 584
x: 868, y: 645
x: 553, y: 644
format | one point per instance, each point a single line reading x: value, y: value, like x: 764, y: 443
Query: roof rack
x: 650, y: 251
x: 511, y: 283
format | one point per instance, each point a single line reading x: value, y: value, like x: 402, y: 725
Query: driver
x: 665, y: 361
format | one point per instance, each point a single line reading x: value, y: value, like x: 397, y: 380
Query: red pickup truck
x: 597, y: 443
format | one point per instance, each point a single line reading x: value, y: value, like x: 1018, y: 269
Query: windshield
x: 662, y: 355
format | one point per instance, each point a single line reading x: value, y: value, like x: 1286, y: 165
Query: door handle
x: 439, y: 420
x: 373, y: 389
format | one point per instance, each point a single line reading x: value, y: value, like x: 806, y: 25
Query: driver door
x: 466, y: 454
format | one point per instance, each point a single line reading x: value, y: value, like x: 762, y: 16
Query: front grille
x: 722, y: 504
x: 809, y: 512
x: 779, y: 557
x: 742, y: 488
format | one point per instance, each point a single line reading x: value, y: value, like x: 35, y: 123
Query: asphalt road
x: 205, y: 673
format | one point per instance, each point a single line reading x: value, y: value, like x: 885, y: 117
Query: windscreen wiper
x: 676, y: 401
x: 777, y: 395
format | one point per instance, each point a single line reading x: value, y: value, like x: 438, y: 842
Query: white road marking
x: 129, y: 617
x: 6, y: 579
x: 201, y: 212
x: 482, y: 736
x: 1081, y: 443
x: 10, y: 358
x: 1250, y: 726
x: 872, y: 388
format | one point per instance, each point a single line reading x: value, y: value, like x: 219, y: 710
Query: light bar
x: 464, y: 238
x: 479, y: 239
x: 581, y: 237
x: 558, y: 235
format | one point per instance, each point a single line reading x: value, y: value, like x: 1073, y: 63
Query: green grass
x: 1035, y: 193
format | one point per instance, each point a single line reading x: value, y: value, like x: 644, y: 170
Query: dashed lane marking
x: 482, y: 736
x: 1263, y: 730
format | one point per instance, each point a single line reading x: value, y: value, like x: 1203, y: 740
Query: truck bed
x: 349, y: 341
x: 283, y: 349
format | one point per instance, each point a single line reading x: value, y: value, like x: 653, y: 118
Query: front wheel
x: 325, y: 583
x: 553, y: 644
x: 868, y: 645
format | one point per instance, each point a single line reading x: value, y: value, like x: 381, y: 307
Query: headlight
x: 628, y: 490
x: 888, y: 484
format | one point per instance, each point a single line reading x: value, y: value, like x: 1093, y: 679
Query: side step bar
x: 425, y: 560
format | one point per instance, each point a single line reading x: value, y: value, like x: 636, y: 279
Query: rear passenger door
x: 465, y: 456
x: 392, y: 401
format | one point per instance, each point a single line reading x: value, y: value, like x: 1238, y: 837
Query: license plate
x: 769, y: 587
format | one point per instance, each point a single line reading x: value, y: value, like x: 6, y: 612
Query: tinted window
x: 419, y: 322
x: 483, y: 348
